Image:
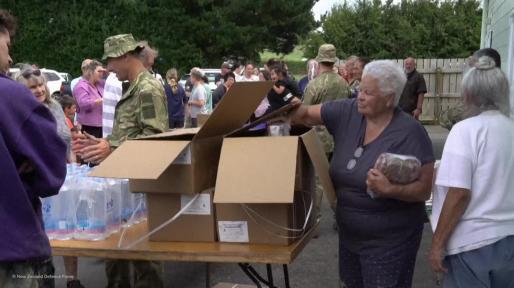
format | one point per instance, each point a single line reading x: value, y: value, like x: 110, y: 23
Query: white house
x: 498, y: 33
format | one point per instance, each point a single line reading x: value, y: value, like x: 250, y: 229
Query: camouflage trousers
x: 451, y: 116
x: 146, y: 273
x: 27, y: 274
x: 326, y: 139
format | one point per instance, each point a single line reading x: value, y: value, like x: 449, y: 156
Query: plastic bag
x: 399, y: 169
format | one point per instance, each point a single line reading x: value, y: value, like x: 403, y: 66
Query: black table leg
x: 270, y: 275
x: 207, y: 275
x: 248, y: 271
x: 286, y: 275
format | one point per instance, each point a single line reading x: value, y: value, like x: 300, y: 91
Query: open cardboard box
x: 181, y: 162
x: 269, y: 203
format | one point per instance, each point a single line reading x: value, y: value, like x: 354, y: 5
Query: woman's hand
x: 436, y: 257
x: 378, y: 183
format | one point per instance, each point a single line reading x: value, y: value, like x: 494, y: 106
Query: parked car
x: 54, y: 80
x: 210, y: 73
x: 183, y: 80
x: 66, y: 76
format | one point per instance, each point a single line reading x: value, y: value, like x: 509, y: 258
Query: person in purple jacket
x: 89, y: 93
x: 28, y: 170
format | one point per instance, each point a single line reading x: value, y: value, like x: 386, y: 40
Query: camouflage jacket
x: 327, y: 86
x: 451, y: 116
x: 141, y: 111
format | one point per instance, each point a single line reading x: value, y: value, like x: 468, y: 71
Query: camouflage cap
x: 119, y: 45
x: 326, y: 53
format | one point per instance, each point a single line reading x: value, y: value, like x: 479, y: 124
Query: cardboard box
x: 182, y: 162
x: 162, y: 207
x: 160, y: 163
x: 233, y: 285
x: 269, y: 202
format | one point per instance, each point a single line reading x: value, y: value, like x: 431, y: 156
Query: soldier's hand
x: 97, y: 152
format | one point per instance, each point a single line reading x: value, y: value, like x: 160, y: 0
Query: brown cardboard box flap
x: 257, y: 170
x: 140, y: 159
x: 315, y: 150
x: 235, y: 108
x: 174, y: 134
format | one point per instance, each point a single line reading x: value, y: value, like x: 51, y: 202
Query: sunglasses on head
x: 29, y: 72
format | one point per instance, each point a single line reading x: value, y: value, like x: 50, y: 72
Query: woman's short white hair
x: 485, y: 87
x: 391, y: 78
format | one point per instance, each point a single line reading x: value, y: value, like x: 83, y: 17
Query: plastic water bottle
x: 139, y: 207
x: 127, y: 203
x: 114, y: 221
x: 48, y: 207
x: 65, y: 224
x: 90, y: 211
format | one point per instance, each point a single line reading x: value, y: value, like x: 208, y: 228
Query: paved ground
x: 315, y: 267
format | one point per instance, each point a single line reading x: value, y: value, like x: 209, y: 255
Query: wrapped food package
x: 399, y: 169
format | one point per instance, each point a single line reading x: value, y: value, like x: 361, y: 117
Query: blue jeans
x: 491, y: 266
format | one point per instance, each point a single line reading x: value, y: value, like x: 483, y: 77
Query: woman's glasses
x: 356, y: 155
x: 29, y: 72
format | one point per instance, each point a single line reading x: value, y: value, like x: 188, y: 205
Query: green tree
x: 420, y: 28
x: 59, y: 34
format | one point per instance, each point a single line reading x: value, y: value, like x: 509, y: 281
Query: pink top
x: 89, y: 112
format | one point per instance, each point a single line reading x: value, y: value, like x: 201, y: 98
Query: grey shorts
x: 491, y: 266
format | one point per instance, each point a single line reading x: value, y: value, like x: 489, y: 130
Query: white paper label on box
x: 233, y: 231
x: 184, y: 157
x: 201, y: 206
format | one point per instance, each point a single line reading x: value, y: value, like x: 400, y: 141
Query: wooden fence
x: 443, y: 78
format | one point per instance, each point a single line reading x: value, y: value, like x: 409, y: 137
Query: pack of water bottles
x: 89, y: 208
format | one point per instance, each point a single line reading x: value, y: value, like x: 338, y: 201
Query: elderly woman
x: 378, y: 237
x: 474, y: 203
x: 89, y: 96
x: 36, y: 82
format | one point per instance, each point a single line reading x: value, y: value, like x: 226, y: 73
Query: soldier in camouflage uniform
x: 141, y: 111
x: 327, y: 86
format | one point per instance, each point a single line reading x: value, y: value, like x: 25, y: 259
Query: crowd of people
x: 359, y: 108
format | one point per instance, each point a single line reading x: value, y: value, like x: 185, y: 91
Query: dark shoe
x: 74, y: 284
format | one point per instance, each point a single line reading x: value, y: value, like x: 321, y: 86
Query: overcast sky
x: 323, y: 6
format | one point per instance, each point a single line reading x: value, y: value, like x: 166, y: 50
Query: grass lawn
x: 295, y: 56
x: 294, y: 60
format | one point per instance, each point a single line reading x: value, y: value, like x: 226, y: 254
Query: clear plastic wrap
x: 399, y: 169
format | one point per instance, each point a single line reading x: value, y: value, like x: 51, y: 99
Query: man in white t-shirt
x: 473, y: 205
